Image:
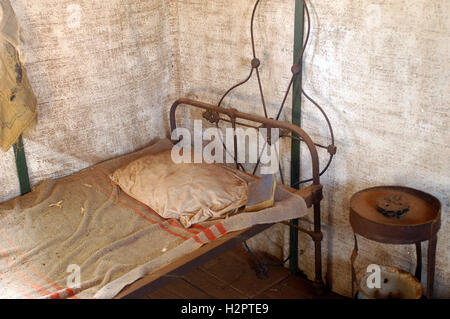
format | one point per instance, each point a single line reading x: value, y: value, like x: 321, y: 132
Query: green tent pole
x: 296, y: 119
x: 22, y: 169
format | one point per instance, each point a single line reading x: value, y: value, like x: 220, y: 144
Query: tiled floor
x: 232, y: 276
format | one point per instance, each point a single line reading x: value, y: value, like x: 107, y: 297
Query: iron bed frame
x: 312, y: 195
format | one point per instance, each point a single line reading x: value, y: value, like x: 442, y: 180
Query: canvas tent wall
x: 379, y: 67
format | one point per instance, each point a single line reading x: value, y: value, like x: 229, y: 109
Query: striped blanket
x: 81, y: 237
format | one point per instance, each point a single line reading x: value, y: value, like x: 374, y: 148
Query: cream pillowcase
x: 192, y: 193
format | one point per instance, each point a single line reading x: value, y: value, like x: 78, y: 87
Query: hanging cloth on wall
x: 18, y: 103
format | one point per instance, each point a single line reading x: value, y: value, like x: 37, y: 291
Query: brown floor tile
x: 232, y: 276
x: 212, y: 285
x: 239, y: 272
x: 294, y: 287
x: 180, y: 289
x: 163, y: 293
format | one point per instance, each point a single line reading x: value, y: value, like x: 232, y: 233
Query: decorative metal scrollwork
x: 211, y: 116
x: 296, y: 71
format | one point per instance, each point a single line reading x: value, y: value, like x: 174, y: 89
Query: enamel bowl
x: 394, y: 284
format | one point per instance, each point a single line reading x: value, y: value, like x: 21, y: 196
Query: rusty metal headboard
x: 287, y: 130
x: 213, y: 112
x: 213, y: 115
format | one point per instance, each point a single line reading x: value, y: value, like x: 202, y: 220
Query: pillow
x: 191, y: 193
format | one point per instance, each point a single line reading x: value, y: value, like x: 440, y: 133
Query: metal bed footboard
x: 312, y: 194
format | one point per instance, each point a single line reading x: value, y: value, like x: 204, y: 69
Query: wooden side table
x: 397, y: 215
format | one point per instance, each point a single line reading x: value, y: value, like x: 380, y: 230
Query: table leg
x: 353, y: 258
x: 419, y: 261
x: 432, y: 243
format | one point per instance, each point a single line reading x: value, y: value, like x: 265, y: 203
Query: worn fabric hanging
x: 18, y: 103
